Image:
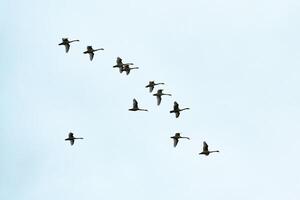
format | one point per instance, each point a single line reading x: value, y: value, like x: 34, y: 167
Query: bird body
x: 90, y: 51
x: 151, y: 85
x: 177, y: 110
x: 176, y: 138
x: 66, y: 42
x: 71, y: 138
x: 135, y: 106
x: 205, y: 150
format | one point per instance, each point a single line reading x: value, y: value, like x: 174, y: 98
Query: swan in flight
x: 152, y: 84
x: 159, y: 94
x: 72, y: 139
x: 177, y: 110
x: 127, y: 69
x: 205, y: 149
x: 176, y: 138
x: 66, y: 42
x: 90, y: 51
x: 135, y: 106
x: 120, y: 64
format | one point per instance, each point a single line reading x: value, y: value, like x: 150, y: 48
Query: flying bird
x: 90, y: 51
x: 120, y: 64
x: 177, y: 110
x: 159, y: 94
x: 176, y: 138
x: 66, y: 43
x: 127, y: 69
x: 205, y: 149
x: 135, y: 106
x: 71, y: 138
x: 152, y: 84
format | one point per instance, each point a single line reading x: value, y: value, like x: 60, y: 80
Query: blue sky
x: 234, y: 63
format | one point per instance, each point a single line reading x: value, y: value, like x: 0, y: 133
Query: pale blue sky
x: 235, y: 63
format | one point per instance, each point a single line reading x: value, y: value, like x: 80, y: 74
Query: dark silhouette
x: 120, y: 64
x: 152, y: 84
x: 135, y: 106
x: 66, y: 43
x: 159, y: 94
x: 90, y: 51
x: 205, y: 149
x: 177, y: 110
x: 72, y: 139
x: 176, y: 138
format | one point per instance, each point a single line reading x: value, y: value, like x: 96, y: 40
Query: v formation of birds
x: 125, y: 67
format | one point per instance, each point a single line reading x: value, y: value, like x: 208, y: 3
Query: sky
x: 235, y: 63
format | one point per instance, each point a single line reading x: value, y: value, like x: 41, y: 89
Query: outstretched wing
x: 177, y: 114
x: 71, y: 135
x: 135, y: 103
x: 175, y: 140
x: 158, y: 97
x: 72, y: 141
x: 91, y: 55
x: 205, y: 147
x: 67, y: 46
x: 89, y: 48
x: 119, y: 61
x: 176, y: 106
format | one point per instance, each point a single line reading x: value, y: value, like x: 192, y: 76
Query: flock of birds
x: 125, y: 67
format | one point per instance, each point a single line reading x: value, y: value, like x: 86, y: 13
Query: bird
x: 66, y: 43
x: 120, y: 64
x: 176, y: 137
x: 127, y: 69
x: 90, y: 51
x: 177, y: 110
x: 152, y: 84
x: 135, y: 106
x: 159, y: 94
x: 205, y: 150
x: 71, y: 138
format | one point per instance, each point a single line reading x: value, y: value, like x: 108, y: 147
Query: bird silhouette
x: 151, y: 85
x: 127, y: 69
x: 66, y: 43
x: 159, y: 94
x: 135, y: 106
x: 177, y: 110
x: 90, y: 51
x: 71, y: 138
x: 120, y: 64
x: 176, y: 138
x: 205, y: 149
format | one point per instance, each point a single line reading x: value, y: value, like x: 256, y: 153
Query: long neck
x: 184, y: 109
x: 78, y: 138
x: 74, y: 41
x: 213, y: 151
x: 143, y: 109
x: 134, y: 68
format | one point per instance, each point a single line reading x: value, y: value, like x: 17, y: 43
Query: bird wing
x: 175, y: 140
x: 158, y: 97
x: 176, y: 106
x: 71, y: 135
x: 72, y: 141
x: 67, y: 46
x: 205, y: 146
x: 177, y: 114
x: 135, y: 103
x: 177, y: 134
x: 89, y: 48
x: 151, y: 87
x: 91, y: 55
x: 119, y: 61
